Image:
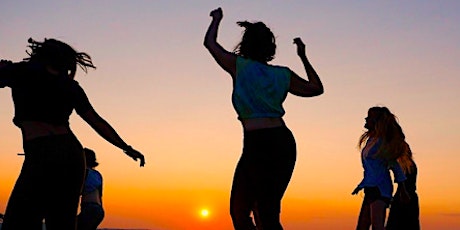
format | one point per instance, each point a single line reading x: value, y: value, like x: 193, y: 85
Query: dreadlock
x: 58, y: 55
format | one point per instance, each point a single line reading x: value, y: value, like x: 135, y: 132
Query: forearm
x: 312, y: 76
x: 106, y: 131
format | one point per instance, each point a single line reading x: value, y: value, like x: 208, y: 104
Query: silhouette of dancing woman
x: 381, y: 145
x: 45, y: 94
x: 259, y: 90
x: 91, y: 209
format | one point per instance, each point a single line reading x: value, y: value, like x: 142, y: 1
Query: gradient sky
x: 164, y: 94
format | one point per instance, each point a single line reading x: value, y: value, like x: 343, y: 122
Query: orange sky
x: 165, y: 95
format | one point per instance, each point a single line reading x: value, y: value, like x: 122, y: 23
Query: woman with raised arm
x: 45, y: 94
x: 259, y: 90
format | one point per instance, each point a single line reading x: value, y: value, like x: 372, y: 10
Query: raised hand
x: 300, y: 47
x: 217, y: 14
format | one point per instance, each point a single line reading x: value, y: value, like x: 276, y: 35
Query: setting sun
x: 204, y: 213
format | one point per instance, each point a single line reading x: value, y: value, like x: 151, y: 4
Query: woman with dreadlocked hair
x: 269, y: 149
x: 45, y: 94
x: 381, y: 146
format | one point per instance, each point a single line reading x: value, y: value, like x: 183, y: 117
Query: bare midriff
x: 92, y: 197
x: 250, y: 124
x: 34, y: 129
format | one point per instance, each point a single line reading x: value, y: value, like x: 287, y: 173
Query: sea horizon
x: 44, y: 228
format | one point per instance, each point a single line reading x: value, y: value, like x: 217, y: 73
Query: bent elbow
x: 207, y: 43
x: 319, y: 91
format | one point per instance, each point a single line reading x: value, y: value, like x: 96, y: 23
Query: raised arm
x: 299, y: 86
x: 106, y: 131
x: 225, y: 59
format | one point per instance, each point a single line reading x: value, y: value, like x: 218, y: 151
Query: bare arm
x: 400, y: 178
x: 299, y: 86
x: 106, y: 131
x: 225, y: 59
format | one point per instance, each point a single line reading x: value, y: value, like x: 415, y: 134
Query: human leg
x: 24, y: 208
x: 242, y: 198
x: 364, y: 219
x: 273, y: 153
x: 66, y: 177
x: 373, y: 210
x: 378, y: 214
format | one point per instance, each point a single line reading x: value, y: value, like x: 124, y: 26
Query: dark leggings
x: 261, y: 178
x: 49, y: 185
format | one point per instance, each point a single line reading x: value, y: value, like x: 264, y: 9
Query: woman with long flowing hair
x: 381, y: 145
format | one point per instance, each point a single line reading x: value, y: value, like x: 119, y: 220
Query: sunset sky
x: 165, y: 95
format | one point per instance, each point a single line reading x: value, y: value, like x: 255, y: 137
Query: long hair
x: 387, y: 129
x: 406, y: 161
x: 58, y: 55
x: 257, y: 43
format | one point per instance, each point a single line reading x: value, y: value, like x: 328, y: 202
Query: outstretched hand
x: 300, y: 47
x: 217, y: 14
x: 357, y: 189
x: 135, y: 155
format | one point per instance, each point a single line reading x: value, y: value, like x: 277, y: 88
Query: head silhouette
x: 58, y: 56
x: 90, y: 157
x: 383, y: 124
x: 257, y: 43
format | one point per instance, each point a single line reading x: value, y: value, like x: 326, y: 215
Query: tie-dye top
x: 259, y: 90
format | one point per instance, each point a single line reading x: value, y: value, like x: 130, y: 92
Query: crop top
x: 259, y: 90
x: 41, y: 96
x: 93, y: 181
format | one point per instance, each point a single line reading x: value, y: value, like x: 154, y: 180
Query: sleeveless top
x: 259, y: 89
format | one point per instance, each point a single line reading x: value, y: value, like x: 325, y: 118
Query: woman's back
x: 39, y: 95
x: 259, y: 89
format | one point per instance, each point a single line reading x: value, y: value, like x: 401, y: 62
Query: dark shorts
x: 372, y: 194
